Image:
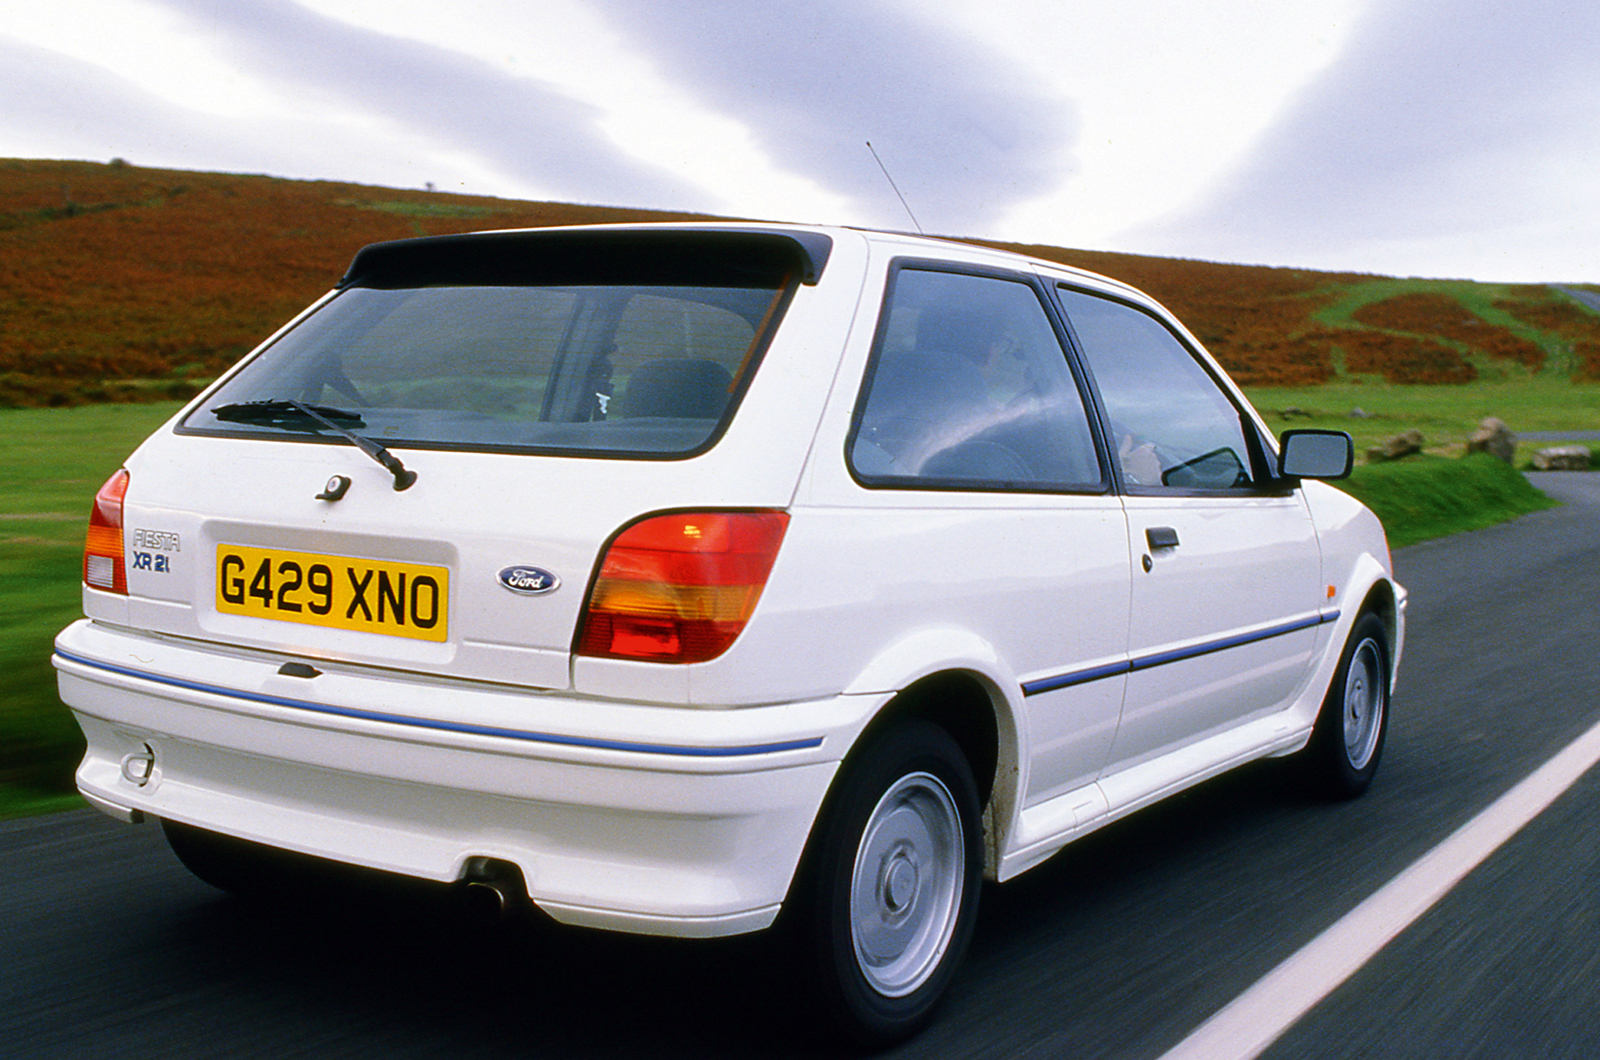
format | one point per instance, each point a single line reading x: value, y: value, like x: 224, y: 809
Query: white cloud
x: 1452, y: 138
x: 965, y: 132
x: 150, y: 46
x: 1172, y: 93
x: 564, y: 44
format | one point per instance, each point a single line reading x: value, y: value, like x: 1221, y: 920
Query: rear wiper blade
x: 403, y: 478
x: 288, y: 412
x: 284, y: 414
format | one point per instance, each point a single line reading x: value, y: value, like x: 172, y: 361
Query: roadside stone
x: 1396, y: 447
x: 1495, y: 438
x: 1562, y: 458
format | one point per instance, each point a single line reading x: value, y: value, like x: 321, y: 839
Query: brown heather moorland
x: 120, y: 283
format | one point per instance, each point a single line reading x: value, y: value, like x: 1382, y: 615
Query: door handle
x: 1161, y: 537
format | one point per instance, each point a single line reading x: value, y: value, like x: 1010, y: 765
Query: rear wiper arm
x: 403, y: 478
x: 283, y: 413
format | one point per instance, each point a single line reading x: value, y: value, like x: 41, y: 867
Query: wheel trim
x: 1363, y: 705
x: 905, y: 890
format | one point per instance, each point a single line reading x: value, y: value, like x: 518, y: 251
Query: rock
x: 1495, y: 438
x: 1562, y: 458
x: 1400, y: 445
x: 1359, y: 413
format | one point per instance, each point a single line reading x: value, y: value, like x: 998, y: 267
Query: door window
x: 1172, y: 426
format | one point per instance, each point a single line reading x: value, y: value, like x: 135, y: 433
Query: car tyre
x: 891, y: 890
x: 1345, y: 746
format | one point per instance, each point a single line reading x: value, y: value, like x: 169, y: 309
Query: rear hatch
x: 422, y: 473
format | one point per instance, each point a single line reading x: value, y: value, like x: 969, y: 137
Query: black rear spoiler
x: 690, y: 257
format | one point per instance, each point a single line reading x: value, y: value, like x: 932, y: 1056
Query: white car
x: 683, y: 578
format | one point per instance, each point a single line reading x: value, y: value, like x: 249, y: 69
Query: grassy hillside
x: 1275, y: 327
x: 121, y: 283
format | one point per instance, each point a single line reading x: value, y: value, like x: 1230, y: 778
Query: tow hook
x: 138, y: 767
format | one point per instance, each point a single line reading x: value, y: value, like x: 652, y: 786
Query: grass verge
x: 1427, y: 497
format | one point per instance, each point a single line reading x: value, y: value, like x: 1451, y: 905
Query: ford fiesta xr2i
x: 695, y: 579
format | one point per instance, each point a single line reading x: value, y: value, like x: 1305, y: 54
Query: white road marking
x: 1257, y: 1017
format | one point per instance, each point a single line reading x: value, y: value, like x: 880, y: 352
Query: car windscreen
x: 592, y: 368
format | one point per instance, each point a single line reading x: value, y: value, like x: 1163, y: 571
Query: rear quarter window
x: 970, y: 389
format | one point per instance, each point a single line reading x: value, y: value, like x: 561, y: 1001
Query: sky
x: 1436, y: 138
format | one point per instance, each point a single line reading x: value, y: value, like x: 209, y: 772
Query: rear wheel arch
x: 962, y: 704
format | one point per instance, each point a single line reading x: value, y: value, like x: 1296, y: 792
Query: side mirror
x: 1315, y: 454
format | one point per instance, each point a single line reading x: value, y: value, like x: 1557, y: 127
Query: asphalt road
x: 1117, y: 948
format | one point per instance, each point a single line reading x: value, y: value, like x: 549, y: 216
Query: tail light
x: 679, y: 588
x: 103, y: 566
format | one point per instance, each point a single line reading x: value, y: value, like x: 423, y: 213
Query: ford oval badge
x: 529, y: 581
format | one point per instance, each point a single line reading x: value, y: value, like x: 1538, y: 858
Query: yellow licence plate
x: 344, y: 592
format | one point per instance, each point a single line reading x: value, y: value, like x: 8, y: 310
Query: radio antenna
x: 896, y: 188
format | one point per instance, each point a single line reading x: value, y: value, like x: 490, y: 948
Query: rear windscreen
x: 595, y: 368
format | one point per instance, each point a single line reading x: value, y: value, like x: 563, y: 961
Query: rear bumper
x: 664, y: 820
